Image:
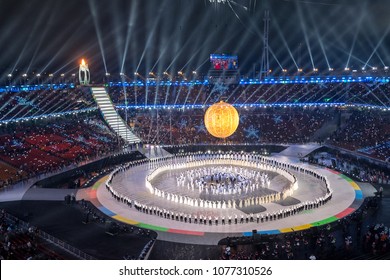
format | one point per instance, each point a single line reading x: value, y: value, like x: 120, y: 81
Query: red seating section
x: 50, y: 147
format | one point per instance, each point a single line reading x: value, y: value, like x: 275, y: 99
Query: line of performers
x: 232, y: 164
x: 224, y: 204
x: 226, y: 180
x: 205, y: 219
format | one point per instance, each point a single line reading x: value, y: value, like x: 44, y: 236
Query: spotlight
x: 108, y: 74
x: 122, y: 74
x: 386, y: 68
x: 62, y: 75
x: 315, y: 69
x: 136, y: 74
x: 331, y: 69
x: 51, y: 75
x: 284, y: 70
x: 347, y: 69
x: 9, y: 75
x: 374, y: 68
x: 24, y: 75
x: 38, y: 75
x: 300, y: 70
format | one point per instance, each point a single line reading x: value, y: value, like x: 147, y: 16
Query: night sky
x: 47, y: 36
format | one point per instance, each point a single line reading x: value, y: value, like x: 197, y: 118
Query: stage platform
x: 347, y: 197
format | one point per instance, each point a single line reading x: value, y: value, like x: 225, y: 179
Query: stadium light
x: 167, y: 74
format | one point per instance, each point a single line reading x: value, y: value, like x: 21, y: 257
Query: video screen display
x: 224, y: 62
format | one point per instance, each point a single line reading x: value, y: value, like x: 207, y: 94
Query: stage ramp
x: 299, y: 151
x: 155, y: 152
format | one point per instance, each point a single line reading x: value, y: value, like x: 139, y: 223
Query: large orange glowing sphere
x: 221, y: 119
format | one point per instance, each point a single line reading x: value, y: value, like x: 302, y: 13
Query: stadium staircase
x: 112, y: 117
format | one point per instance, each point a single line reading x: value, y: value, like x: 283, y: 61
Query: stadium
x: 222, y: 130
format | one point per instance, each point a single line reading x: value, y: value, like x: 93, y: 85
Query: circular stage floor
x: 347, y: 197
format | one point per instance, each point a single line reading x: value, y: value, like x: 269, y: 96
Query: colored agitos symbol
x: 221, y: 120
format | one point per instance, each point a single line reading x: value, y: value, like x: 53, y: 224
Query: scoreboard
x: 224, y: 62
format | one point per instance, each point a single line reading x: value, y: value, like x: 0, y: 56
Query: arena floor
x: 347, y: 197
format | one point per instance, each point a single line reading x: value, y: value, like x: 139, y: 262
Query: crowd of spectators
x: 266, y: 125
x: 374, y: 93
x: 19, y: 242
x: 42, y: 147
x: 49, y: 101
x: 353, y: 166
x: 367, y: 132
x: 41, y: 102
x: 376, y: 240
x: 347, y: 238
x: 300, y: 245
x: 358, y: 92
x: 31, y: 148
x: 257, y: 125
